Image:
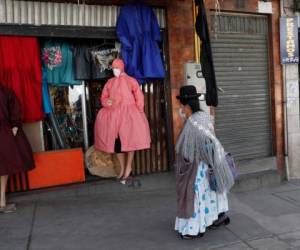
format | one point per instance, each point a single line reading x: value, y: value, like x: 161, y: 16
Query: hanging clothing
x: 94, y: 63
x: 206, y: 58
x: 58, y: 60
x: 20, y: 70
x: 139, y: 33
x: 125, y: 118
x: 82, y: 62
x: 208, y: 205
x: 15, y: 151
x: 102, y: 59
x: 46, y: 96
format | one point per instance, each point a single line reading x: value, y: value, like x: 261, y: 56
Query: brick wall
x: 234, y: 5
x: 181, y: 49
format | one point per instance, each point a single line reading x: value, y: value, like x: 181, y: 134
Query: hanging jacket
x: 139, y: 33
x: 206, y: 58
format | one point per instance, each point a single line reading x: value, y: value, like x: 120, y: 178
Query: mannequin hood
x: 118, y: 63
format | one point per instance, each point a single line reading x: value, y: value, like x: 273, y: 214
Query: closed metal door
x: 243, y: 117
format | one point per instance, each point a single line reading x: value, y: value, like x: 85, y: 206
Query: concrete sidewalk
x: 109, y: 216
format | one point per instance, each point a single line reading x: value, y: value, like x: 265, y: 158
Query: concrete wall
x: 181, y: 30
x: 291, y: 81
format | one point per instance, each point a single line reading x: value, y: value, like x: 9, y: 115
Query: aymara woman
x: 199, y: 153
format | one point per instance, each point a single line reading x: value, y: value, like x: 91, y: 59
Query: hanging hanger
x: 105, y: 43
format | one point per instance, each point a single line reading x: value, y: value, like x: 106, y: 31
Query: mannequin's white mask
x: 117, y: 72
x: 182, y: 114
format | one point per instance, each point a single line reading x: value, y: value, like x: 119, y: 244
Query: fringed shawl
x: 197, y: 142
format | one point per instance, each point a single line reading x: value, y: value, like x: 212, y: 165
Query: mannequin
x: 121, y: 126
x: 15, y: 151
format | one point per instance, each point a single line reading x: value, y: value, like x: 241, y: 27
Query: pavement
x: 106, y: 215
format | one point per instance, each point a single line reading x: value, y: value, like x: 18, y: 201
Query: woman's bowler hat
x: 186, y: 93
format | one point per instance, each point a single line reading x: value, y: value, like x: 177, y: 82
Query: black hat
x: 187, y: 92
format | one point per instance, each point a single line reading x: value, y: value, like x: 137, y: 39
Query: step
x: 252, y: 175
x: 256, y: 174
x: 100, y: 187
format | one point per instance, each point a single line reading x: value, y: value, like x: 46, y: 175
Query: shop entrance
x: 241, y: 60
x: 157, y: 98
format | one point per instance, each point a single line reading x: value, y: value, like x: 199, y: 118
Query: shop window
x: 67, y: 100
x: 68, y: 109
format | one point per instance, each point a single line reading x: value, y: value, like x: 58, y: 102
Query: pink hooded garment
x: 124, y: 118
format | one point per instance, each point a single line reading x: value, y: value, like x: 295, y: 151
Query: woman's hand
x: 14, y: 130
x: 110, y: 101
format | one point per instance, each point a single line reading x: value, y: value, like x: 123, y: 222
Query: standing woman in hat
x: 15, y: 152
x: 121, y: 126
x: 198, y: 152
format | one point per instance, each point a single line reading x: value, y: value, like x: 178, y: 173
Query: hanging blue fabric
x: 46, y: 97
x: 139, y: 33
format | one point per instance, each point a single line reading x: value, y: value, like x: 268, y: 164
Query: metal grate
x: 243, y: 117
x: 154, y: 159
x: 296, y: 5
x: 66, y: 14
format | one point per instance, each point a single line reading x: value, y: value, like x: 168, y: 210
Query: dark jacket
x: 15, y: 151
x: 206, y: 58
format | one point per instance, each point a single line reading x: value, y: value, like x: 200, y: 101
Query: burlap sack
x: 101, y: 163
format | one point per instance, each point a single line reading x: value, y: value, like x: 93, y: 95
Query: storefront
x: 249, y: 118
x: 75, y: 106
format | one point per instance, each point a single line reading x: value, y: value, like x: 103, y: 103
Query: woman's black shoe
x: 200, y: 235
x: 227, y: 221
x: 187, y: 237
x: 222, y: 220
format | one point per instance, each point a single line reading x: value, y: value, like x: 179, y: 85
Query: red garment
x: 21, y: 71
x: 125, y: 118
x: 15, y: 151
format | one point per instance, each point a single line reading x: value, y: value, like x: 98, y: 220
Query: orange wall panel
x: 55, y: 168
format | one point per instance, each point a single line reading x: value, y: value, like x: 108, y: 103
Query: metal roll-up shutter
x: 243, y: 117
x: 63, y: 14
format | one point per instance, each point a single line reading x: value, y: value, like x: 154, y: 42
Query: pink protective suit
x: 124, y: 118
